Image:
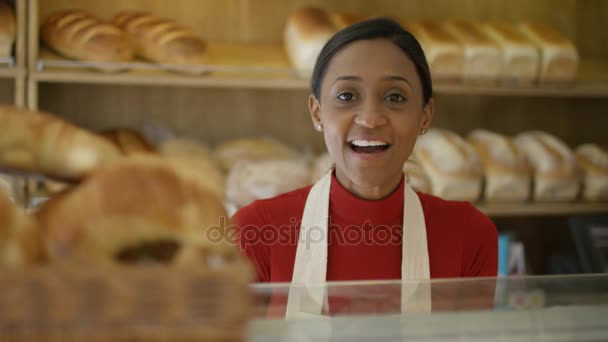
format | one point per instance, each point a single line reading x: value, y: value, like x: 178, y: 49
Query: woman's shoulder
x: 273, y: 210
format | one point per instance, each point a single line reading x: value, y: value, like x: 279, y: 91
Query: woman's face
x: 371, y: 110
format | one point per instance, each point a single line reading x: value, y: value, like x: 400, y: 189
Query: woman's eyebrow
x: 348, y: 78
x: 398, y: 78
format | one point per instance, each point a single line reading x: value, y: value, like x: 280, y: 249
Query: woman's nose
x: 370, y: 116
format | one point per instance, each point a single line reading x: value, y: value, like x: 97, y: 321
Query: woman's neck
x: 369, y: 191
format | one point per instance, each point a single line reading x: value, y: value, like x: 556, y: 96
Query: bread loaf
x: 251, y: 180
x: 42, y: 143
x: 508, y: 176
x: 451, y: 164
x: 554, y: 166
x: 161, y: 40
x: 415, y: 176
x: 138, y: 210
x: 80, y: 35
x: 306, y: 32
x: 20, y: 244
x: 443, y: 52
x: 483, y: 59
x: 594, y: 164
x: 263, y: 148
x: 559, y: 56
x: 128, y: 141
x: 521, y: 58
x: 7, y: 29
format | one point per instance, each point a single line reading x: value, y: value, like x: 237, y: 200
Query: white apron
x: 307, y: 293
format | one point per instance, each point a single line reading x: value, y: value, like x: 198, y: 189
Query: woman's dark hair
x: 371, y: 29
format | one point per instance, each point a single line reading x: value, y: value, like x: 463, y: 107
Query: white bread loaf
x: 554, y: 166
x: 451, y: 164
x: 508, y: 176
x: 521, y: 57
x: 483, y: 60
x: 7, y: 29
x: 559, y: 56
x: 306, y: 32
x: 445, y: 55
x: 321, y: 166
x: 593, y: 161
x: 415, y: 176
x: 252, y: 180
x: 262, y: 148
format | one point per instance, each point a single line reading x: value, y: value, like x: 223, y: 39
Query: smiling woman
x: 371, y: 99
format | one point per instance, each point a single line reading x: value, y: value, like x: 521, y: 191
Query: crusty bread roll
x: 342, y: 20
x: 161, y: 40
x: 138, y: 210
x: 7, y: 29
x: 80, y: 35
x: 451, y: 164
x: 252, y: 180
x: 196, y: 158
x: 306, y: 32
x: 128, y: 141
x: 593, y: 161
x: 19, y: 236
x: 483, y: 59
x: 262, y: 148
x: 415, y: 176
x: 554, y: 166
x: 43, y: 143
x: 559, y: 56
x: 507, y: 172
x: 321, y: 166
x: 445, y: 55
x: 521, y: 57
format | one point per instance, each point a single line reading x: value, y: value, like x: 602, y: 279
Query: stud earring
x: 422, y: 131
x: 319, y: 127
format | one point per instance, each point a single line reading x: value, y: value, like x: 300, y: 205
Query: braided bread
x: 161, y: 40
x: 80, y: 35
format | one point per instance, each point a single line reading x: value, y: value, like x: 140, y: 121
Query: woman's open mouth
x: 368, y: 146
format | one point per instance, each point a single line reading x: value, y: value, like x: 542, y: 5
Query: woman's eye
x: 345, y: 96
x: 395, y: 98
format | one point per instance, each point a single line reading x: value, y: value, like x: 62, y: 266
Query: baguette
x: 161, y: 40
x: 43, y: 143
x: 7, y: 29
x: 559, y: 56
x: 80, y: 35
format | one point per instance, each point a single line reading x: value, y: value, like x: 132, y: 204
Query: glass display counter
x: 547, y: 308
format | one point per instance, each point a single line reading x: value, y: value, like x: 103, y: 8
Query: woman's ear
x: 314, y: 107
x: 427, y: 115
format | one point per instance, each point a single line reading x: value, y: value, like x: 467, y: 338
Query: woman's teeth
x: 368, y: 146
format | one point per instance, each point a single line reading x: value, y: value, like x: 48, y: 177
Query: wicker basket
x: 125, y: 303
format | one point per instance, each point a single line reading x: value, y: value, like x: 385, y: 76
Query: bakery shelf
x: 7, y: 68
x: 542, y: 209
x: 267, y: 67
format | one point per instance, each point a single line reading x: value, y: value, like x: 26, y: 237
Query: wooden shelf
x: 542, y: 209
x: 267, y: 67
